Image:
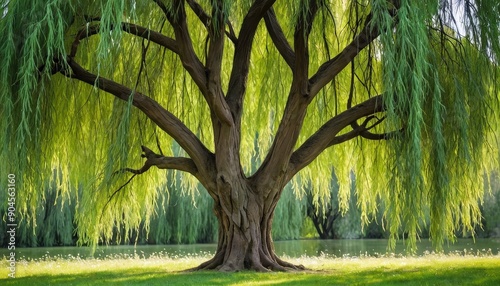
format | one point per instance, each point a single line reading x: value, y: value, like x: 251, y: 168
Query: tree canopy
x: 403, y: 94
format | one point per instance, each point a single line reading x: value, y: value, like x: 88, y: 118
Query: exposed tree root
x: 213, y: 263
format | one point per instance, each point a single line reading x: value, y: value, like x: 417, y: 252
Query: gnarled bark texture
x: 245, y: 241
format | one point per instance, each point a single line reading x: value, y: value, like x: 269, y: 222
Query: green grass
x: 426, y: 270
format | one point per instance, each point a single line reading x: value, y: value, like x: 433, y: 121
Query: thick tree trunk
x: 245, y: 241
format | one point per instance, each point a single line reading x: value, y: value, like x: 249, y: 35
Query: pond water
x: 292, y: 248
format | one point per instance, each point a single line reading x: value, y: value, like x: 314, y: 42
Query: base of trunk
x: 246, y: 246
x: 262, y: 263
x: 245, y: 218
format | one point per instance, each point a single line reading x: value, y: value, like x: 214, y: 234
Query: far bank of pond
x: 291, y: 248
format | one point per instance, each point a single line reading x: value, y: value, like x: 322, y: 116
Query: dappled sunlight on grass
x: 481, y: 268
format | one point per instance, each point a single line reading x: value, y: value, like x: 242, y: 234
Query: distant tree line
x: 177, y: 222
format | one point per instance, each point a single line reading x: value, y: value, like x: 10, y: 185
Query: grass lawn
x: 426, y: 270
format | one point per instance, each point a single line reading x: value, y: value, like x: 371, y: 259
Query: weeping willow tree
x: 402, y: 93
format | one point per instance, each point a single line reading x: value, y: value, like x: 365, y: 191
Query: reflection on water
x: 294, y: 248
x: 377, y: 247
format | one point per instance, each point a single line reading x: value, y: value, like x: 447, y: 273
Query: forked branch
x: 163, y: 162
x: 243, y: 49
x: 159, y: 161
x: 205, y: 19
x: 164, y: 119
x: 187, y: 54
x: 326, y: 136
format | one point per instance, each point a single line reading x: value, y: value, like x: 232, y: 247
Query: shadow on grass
x: 416, y: 276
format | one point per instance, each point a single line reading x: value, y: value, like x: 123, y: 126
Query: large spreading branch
x: 205, y: 77
x: 330, y: 69
x: 199, y: 154
x: 173, y: 126
x: 326, y: 136
x: 276, y: 161
x: 281, y: 157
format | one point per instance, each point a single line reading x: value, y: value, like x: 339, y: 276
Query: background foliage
x: 181, y: 218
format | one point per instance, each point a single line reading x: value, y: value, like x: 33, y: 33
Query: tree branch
x: 200, y: 155
x: 114, y: 194
x: 206, y: 78
x: 364, y: 131
x: 357, y: 130
x: 327, y: 135
x: 163, y: 162
x: 279, y: 39
x: 327, y: 71
x: 331, y: 68
x: 205, y: 19
x: 188, y: 56
x: 231, y: 34
x: 277, y: 159
x: 133, y: 29
x: 162, y: 6
x: 198, y: 10
x: 241, y: 59
x: 215, y: 94
x: 301, y: 46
